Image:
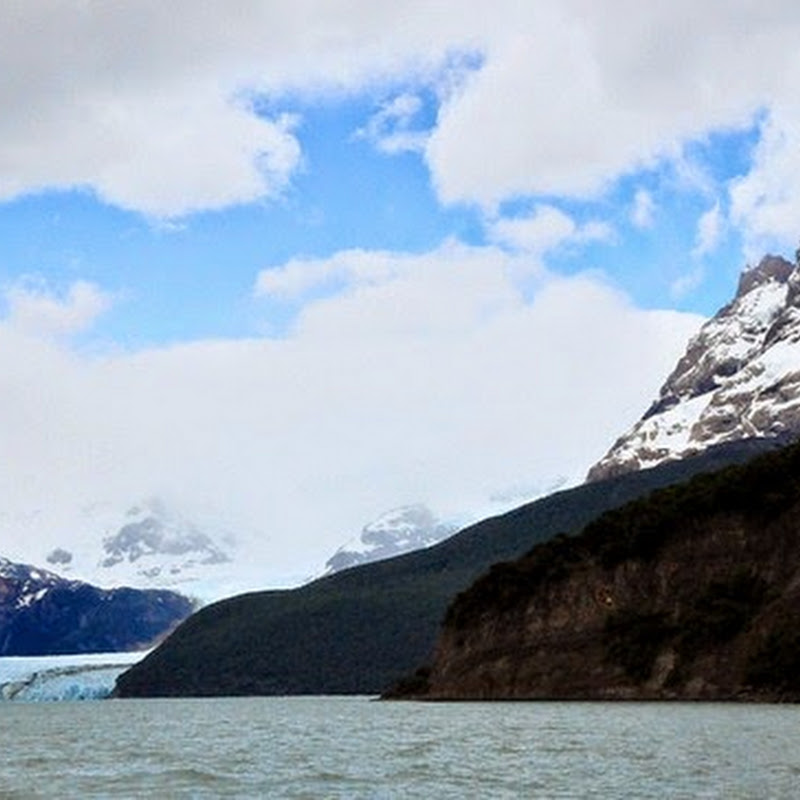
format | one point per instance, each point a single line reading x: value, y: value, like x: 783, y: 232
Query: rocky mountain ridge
x: 42, y: 613
x: 739, y: 378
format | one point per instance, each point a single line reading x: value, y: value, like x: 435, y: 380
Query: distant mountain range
x: 151, y: 545
x: 359, y: 630
x: 42, y: 613
x: 145, y: 544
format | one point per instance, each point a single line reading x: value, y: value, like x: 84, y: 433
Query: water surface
x: 354, y: 748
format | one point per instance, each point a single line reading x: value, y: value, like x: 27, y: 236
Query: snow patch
x: 739, y: 378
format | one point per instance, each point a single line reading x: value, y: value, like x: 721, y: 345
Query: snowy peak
x: 771, y: 269
x: 146, y: 544
x: 739, y: 378
x: 43, y: 613
x: 22, y: 585
x: 153, y: 537
x: 398, y: 531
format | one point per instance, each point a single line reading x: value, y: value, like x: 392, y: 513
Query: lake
x: 352, y: 747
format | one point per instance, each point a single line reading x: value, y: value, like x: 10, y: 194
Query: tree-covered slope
x: 359, y: 630
x: 689, y: 593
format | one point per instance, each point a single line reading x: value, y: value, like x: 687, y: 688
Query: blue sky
x: 366, y: 255
x: 178, y: 279
x: 192, y: 277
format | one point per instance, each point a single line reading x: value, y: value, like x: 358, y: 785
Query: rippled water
x: 353, y: 748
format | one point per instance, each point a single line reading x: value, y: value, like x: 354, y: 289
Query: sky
x: 289, y: 265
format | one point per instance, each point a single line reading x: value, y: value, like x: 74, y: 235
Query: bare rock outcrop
x: 739, y: 378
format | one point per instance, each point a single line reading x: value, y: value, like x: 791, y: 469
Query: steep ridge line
x: 360, y: 630
x: 739, y: 378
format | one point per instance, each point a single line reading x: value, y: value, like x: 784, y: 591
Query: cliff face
x: 739, y: 378
x: 692, y: 594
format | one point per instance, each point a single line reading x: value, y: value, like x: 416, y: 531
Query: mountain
x: 398, y: 531
x: 359, y: 630
x: 689, y: 594
x: 152, y: 544
x: 732, y: 396
x: 739, y: 378
x: 42, y: 613
x: 147, y: 544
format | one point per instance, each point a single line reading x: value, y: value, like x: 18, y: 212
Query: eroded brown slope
x: 692, y: 594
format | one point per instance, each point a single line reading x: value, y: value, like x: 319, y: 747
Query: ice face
x: 52, y: 678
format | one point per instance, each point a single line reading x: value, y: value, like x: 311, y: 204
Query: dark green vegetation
x: 360, y: 630
x: 692, y: 591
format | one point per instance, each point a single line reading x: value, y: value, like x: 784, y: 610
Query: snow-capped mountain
x: 143, y: 545
x: 739, y: 378
x: 153, y: 545
x: 398, y: 531
x: 43, y: 613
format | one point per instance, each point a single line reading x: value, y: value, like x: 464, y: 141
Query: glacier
x: 65, y: 677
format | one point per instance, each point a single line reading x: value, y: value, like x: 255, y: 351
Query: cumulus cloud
x: 709, y: 231
x: 544, y: 229
x: 582, y: 93
x: 150, y: 104
x: 422, y: 377
x: 300, y: 276
x: 35, y: 309
x: 765, y: 203
x: 155, y: 106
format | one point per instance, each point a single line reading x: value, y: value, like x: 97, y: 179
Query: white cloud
x: 301, y: 275
x: 545, y: 229
x: 709, y: 231
x: 391, y: 128
x: 582, y: 93
x: 643, y: 209
x: 33, y: 308
x: 421, y: 377
x: 765, y: 203
x: 146, y: 103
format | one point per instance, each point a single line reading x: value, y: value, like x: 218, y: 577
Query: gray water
x: 354, y: 748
